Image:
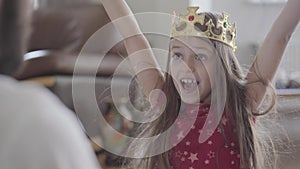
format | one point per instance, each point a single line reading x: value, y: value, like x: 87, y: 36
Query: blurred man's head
x: 14, y: 28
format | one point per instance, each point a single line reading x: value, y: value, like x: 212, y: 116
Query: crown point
x: 191, y: 17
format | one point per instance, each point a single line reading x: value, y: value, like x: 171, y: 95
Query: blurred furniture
x: 58, y: 36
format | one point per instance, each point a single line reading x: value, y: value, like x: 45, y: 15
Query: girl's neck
x: 206, y: 100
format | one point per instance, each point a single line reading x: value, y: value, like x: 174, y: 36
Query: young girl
x: 203, y: 73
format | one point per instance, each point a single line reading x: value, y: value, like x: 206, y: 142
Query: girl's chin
x: 195, y: 98
x: 190, y: 99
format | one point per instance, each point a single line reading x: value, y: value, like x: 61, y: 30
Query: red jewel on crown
x: 191, y: 17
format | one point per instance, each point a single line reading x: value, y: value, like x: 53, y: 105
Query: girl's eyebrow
x: 202, y: 48
x: 195, y: 49
x: 176, y: 47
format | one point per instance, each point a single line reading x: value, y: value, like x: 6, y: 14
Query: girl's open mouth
x: 189, y: 85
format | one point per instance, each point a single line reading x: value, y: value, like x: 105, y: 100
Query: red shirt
x: 219, y: 151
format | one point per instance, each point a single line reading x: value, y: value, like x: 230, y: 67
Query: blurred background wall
x: 253, y: 18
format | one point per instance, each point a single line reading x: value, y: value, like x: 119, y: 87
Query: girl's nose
x: 189, y: 61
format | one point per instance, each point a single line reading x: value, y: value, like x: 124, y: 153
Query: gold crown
x: 188, y: 25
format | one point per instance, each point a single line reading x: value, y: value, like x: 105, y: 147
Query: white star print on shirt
x: 180, y: 135
x: 193, y: 157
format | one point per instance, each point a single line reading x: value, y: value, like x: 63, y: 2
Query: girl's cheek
x: 174, y: 68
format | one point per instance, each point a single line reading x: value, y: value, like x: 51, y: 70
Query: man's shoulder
x: 32, y: 109
x: 11, y: 87
x: 34, y: 119
x: 29, y: 101
x: 18, y: 94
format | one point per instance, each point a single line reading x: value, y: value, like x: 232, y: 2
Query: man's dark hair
x: 12, y: 38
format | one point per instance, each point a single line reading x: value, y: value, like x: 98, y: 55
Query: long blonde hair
x: 250, y: 144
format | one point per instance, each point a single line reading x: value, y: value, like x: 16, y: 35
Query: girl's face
x: 192, y: 62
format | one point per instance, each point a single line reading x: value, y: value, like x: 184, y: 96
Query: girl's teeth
x: 188, y: 81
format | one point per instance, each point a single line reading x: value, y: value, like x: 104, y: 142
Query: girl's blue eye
x: 200, y: 57
x: 177, y: 56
